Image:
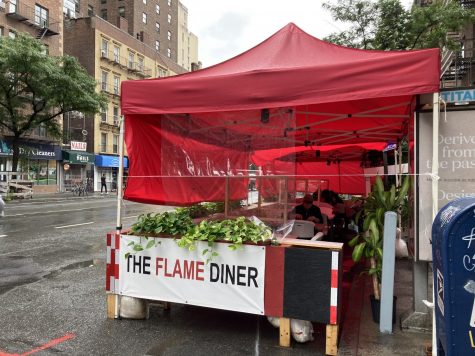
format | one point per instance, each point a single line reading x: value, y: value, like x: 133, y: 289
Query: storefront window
x: 41, y: 172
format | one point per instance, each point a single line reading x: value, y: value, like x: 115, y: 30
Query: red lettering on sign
x: 158, y: 264
x: 177, y: 269
x: 199, y: 270
x: 189, y: 270
x: 166, y: 269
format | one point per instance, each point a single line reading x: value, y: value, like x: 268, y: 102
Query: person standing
x: 103, y: 183
x: 2, y: 207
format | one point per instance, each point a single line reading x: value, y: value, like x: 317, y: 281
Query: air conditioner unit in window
x: 2, y: 5
x: 43, y: 23
x: 103, y: 54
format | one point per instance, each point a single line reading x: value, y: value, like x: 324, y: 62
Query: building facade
x: 39, y: 154
x: 187, y: 42
x: 153, y: 22
x: 111, y: 55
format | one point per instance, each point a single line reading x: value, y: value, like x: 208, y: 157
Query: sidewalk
x: 58, y: 197
x: 360, y: 334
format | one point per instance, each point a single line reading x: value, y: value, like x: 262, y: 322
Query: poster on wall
x: 456, y: 143
x: 232, y: 280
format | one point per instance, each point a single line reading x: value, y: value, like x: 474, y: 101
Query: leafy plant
x: 236, y: 232
x: 169, y: 223
x: 369, y: 243
x: 202, y: 209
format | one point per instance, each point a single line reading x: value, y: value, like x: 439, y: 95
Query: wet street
x: 53, y: 300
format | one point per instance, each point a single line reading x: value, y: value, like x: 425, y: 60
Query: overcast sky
x: 226, y: 28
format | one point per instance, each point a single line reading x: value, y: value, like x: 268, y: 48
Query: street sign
x: 453, y: 237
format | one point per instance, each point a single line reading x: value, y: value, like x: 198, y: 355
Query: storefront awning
x: 110, y: 161
x: 78, y: 157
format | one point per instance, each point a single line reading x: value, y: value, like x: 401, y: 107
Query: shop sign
x: 456, y: 168
x: 458, y: 96
x: 171, y: 273
x: 110, y: 161
x: 32, y: 150
x: 74, y: 157
x: 78, y: 146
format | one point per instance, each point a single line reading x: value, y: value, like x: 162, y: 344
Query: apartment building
x: 187, y: 42
x: 40, y: 155
x: 111, y: 55
x: 153, y: 22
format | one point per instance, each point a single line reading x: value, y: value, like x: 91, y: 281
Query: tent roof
x: 288, y: 69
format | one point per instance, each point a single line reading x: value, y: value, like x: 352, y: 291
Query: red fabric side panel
x: 169, y: 169
x: 344, y: 178
x: 274, y: 281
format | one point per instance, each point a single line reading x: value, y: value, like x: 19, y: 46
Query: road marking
x: 52, y: 211
x: 73, y: 225
x: 48, y: 345
x: 128, y: 217
x: 3, y: 235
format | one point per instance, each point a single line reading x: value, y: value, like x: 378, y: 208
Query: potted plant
x: 369, y: 243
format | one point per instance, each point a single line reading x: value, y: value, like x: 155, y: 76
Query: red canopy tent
x: 291, y: 90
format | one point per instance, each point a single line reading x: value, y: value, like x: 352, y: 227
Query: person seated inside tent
x: 307, y: 211
x: 325, y: 207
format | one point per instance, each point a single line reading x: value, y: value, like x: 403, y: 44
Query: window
x: 12, y: 6
x: 145, y: 2
x: 131, y: 60
x: 45, y: 49
x: 104, y: 14
x: 157, y: 27
x: 169, y: 2
x: 12, y: 34
x: 104, y: 48
x: 169, y: 18
x: 122, y: 11
x: 116, y: 54
x: 41, y: 130
x: 169, y: 53
x: 169, y: 36
x: 2, y: 31
x: 115, y: 144
x: 103, y: 1
x: 103, y: 147
x: 144, y: 17
x: 116, y: 115
x: 157, y: 9
x: 90, y: 10
x: 104, y: 78
x: 157, y: 45
x: 104, y: 114
x: 41, y: 16
x: 116, y: 84
x: 140, y: 64
x: 77, y: 6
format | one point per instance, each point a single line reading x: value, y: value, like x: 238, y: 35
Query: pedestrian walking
x: 2, y: 207
x: 103, y: 184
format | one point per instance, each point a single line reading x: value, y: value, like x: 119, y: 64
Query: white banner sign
x: 78, y: 146
x: 232, y: 280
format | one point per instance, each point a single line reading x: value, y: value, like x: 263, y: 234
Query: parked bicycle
x: 81, y: 188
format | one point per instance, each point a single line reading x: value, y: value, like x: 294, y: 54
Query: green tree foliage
x: 36, y: 89
x: 387, y: 25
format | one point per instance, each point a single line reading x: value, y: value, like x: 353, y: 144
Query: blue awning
x: 110, y: 161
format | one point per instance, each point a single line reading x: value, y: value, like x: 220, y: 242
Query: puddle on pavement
x: 17, y: 271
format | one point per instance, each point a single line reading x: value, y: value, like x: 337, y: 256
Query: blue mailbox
x: 453, y: 248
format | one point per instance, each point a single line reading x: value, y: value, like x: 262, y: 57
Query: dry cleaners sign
x: 458, y: 96
x: 233, y: 280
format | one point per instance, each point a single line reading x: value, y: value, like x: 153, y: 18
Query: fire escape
x: 457, y: 66
x: 37, y: 18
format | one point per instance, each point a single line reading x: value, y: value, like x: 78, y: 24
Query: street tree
x: 36, y: 89
x: 387, y: 25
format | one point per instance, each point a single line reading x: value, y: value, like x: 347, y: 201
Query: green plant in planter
x: 369, y: 243
x: 167, y: 223
x: 235, y: 231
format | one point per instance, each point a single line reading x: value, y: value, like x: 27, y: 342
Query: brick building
x: 110, y: 55
x: 154, y: 22
x: 42, y: 19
